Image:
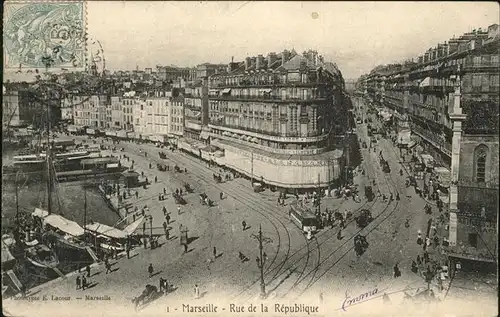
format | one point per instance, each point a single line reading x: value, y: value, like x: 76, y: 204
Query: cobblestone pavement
x: 296, y: 270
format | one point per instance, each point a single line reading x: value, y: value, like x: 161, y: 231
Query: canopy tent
x: 63, y: 224
x: 426, y: 82
x: 40, y: 213
x: 106, y: 230
x: 131, y: 228
x: 443, y: 176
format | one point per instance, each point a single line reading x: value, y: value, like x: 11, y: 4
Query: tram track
x: 278, y: 268
x: 238, y: 195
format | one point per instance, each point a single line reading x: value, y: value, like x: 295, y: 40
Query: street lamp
x: 261, y: 260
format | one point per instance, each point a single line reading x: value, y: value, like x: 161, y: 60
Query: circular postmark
x: 44, y: 35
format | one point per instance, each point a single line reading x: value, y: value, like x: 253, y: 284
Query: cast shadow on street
x: 203, y: 294
x: 91, y: 285
x: 156, y: 273
x: 219, y: 255
x: 191, y: 239
x: 95, y: 274
x: 114, y: 270
x: 133, y: 256
x: 173, y: 238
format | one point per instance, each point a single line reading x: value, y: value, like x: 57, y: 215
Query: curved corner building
x: 280, y: 119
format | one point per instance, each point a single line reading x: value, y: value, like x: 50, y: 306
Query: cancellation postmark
x: 40, y: 34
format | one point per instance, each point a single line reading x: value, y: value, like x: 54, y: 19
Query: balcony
x: 434, y: 140
x: 269, y: 149
x: 269, y: 136
x: 277, y: 82
x: 269, y: 98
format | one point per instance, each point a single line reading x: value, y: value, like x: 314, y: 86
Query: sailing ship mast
x: 48, y: 158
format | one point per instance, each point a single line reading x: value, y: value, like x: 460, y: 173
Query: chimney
x: 232, y: 59
x: 285, y: 55
x: 271, y: 58
x: 247, y: 63
x: 259, y: 62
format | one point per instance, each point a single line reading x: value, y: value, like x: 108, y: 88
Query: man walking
x: 167, y: 218
x: 78, y: 282
x: 215, y: 253
x: 196, y: 292
x: 178, y: 210
x: 244, y: 224
x: 88, y: 270
x: 84, y: 282
x: 150, y: 270
x: 108, y: 266
x: 164, y: 209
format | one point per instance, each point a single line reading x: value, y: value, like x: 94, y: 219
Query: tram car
x: 161, y: 167
x: 364, y: 218
x: 385, y: 167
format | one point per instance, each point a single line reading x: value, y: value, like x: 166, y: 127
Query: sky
x: 357, y: 36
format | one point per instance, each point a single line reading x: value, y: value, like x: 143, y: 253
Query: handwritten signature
x: 349, y: 301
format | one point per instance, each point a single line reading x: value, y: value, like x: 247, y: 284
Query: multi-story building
x: 140, y: 117
x: 449, y: 97
x: 176, y: 116
x: 206, y: 70
x: 128, y: 102
x: 171, y: 73
x: 91, y: 111
x: 195, y: 109
x: 117, y: 115
x: 277, y: 117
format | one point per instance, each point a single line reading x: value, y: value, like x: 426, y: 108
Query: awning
x: 40, y: 213
x: 63, y: 224
x: 426, y: 82
x: 113, y: 165
x: 242, y: 137
x: 255, y: 140
x: 266, y: 90
x: 443, y: 176
x: 215, y: 142
x: 106, y: 230
x: 247, y: 138
x: 226, y: 90
x: 131, y: 228
x: 204, y: 135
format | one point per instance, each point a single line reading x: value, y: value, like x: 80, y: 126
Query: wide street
x: 324, y: 269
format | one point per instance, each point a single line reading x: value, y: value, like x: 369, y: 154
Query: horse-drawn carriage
x: 360, y: 244
x: 149, y: 294
x: 162, y: 155
x: 161, y: 167
x: 364, y: 218
x: 188, y: 188
x: 177, y: 169
x: 204, y: 200
x: 369, y: 193
x: 179, y: 199
x: 217, y: 178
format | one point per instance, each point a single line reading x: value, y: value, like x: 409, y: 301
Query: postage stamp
x: 44, y: 35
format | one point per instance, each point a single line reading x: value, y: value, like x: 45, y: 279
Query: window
x: 480, y: 155
x: 477, y: 60
x: 494, y: 80
x: 476, y: 80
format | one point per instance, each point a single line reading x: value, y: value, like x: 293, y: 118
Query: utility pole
x: 85, y: 211
x: 48, y: 162
x: 251, y: 162
x: 261, y: 260
x: 151, y: 230
x: 319, y: 193
x: 17, y: 199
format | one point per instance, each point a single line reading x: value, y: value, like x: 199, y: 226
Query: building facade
x: 117, y: 114
x: 277, y: 117
x: 195, y: 110
x: 449, y: 98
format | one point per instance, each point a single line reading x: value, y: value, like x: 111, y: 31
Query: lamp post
x: 261, y: 259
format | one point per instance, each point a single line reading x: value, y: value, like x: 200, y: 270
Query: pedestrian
x: 128, y: 251
x: 185, y: 247
x: 88, y: 270
x: 167, y: 218
x: 339, y: 235
x: 215, y: 253
x: 84, y: 282
x: 321, y: 298
x: 78, y: 282
x: 196, y: 292
x: 244, y: 225
x: 136, y: 194
x: 397, y: 272
x: 156, y: 179
x: 150, y: 269
x: 165, y: 286
x: 177, y: 191
x: 161, y: 284
x: 164, y: 191
x: 108, y: 267
x: 180, y: 191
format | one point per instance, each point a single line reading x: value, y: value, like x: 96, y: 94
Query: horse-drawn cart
x: 149, y: 294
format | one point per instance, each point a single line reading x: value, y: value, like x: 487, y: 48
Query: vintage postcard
x: 250, y: 158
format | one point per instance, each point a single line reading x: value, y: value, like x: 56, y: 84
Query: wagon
x: 149, y: 294
x: 364, y: 218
